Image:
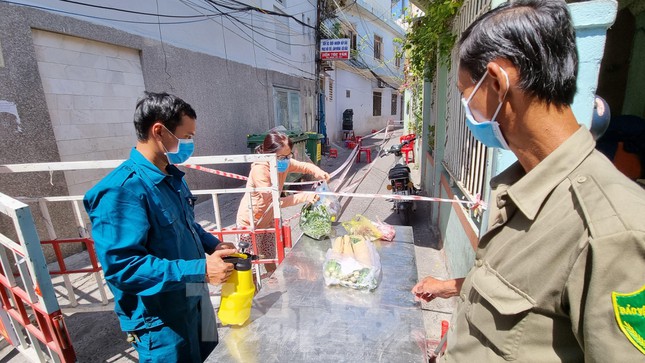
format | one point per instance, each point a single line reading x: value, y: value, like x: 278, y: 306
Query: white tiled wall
x: 91, y: 90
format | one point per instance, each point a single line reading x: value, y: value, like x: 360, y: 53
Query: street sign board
x: 331, y: 49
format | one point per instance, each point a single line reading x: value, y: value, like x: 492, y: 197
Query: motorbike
x: 401, y: 183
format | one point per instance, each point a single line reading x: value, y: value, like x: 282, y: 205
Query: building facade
x: 70, y: 75
x: 368, y: 83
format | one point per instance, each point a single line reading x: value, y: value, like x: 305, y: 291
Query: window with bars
x: 376, y: 103
x: 287, y: 108
x: 378, y: 47
x: 394, y: 104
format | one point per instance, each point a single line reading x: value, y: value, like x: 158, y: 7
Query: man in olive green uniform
x: 560, y: 274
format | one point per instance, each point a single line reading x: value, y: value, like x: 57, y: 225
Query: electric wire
x: 129, y: 11
x: 264, y: 11
x: 368, y: 43
x: 343, y: 13
x: 252, y: 41
x: 268, y: 50
x: 358, y: 11
x: 163, y: 50
x: 252, y: 28
x: 111, y: 19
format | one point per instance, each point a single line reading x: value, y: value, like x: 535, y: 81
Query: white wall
x: 360, y: 101
x: 213, y: 35
x: 91, y: 89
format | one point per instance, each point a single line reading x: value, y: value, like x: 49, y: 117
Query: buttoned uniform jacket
x: 561, y: 239
x: 151, y: 249
x: 260, y: 177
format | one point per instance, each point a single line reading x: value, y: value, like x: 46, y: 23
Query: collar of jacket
x: 151, y: 170
x: 529, y: 191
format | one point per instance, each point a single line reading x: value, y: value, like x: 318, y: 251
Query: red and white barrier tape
x: 470, y: 204
x: 242, y: 177
x: 473, y: 205
x: 216, y: 172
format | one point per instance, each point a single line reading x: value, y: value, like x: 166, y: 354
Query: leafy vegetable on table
x: 315, y: 221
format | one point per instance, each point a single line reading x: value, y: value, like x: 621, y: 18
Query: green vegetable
x: 332, y: 266
x: 315, y: 221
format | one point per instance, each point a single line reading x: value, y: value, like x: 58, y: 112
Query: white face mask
x: 487, y: 132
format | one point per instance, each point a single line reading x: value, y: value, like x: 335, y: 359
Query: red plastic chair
x: 409, y: 148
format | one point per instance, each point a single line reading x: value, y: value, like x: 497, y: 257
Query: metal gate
x: 31, y: 319
x: 465, y: 158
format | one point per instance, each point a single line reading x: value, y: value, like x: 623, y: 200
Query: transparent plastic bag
x: 362, y: 226
x: 352, y: 262
x: 387, y: 230
x: 330, y: 202
x: 315, y: 221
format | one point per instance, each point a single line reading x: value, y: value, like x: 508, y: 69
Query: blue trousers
x: 189, y: 338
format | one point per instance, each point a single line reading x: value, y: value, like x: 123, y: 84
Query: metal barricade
x: 465, y: 158
x: 31, y: 318
x: 33, y: 295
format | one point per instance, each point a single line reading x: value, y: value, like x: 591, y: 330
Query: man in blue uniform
x: 153, y: 253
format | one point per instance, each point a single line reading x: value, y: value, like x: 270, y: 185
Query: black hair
x: 537, y: 36
x: 160, y: 107
x: 273, y: 142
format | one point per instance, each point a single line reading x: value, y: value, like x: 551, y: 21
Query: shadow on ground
x: 100, y: 336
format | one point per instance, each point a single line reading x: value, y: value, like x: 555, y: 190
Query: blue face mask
x: 282, y: 165
x: 487, y: 132
x: 185, y: 149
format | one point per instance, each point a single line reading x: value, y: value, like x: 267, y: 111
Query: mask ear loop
x: 173, y: 135
x: 476, y: 88
x: 508, y: 85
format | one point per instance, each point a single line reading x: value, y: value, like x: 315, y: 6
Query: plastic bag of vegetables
x: 329, y: 201
x: 362, y: 226
x: 353, y: 262
x: 387, y: 231
x: 315, y: 221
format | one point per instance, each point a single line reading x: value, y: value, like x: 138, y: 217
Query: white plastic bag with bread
x: 352, y: 261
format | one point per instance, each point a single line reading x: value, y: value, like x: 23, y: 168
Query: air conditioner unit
x: 326, y: 66
x: 381, y: 84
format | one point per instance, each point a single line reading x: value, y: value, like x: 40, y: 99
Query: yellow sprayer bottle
x: 237, y: 291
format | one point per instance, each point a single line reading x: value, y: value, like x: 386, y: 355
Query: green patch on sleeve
x: 630, y: 315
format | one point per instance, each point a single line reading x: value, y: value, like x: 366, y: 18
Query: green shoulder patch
x: 630, y: 316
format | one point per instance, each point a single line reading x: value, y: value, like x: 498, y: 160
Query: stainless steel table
x: 296, y: 318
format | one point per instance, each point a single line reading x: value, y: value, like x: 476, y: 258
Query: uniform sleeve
x: 614, y: 263
x: 120, y: 225
x: 209, y: 242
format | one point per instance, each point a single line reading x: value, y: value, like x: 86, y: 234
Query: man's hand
x: 430, y: 288
x: 225, y: 245
x: 218, y: 271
